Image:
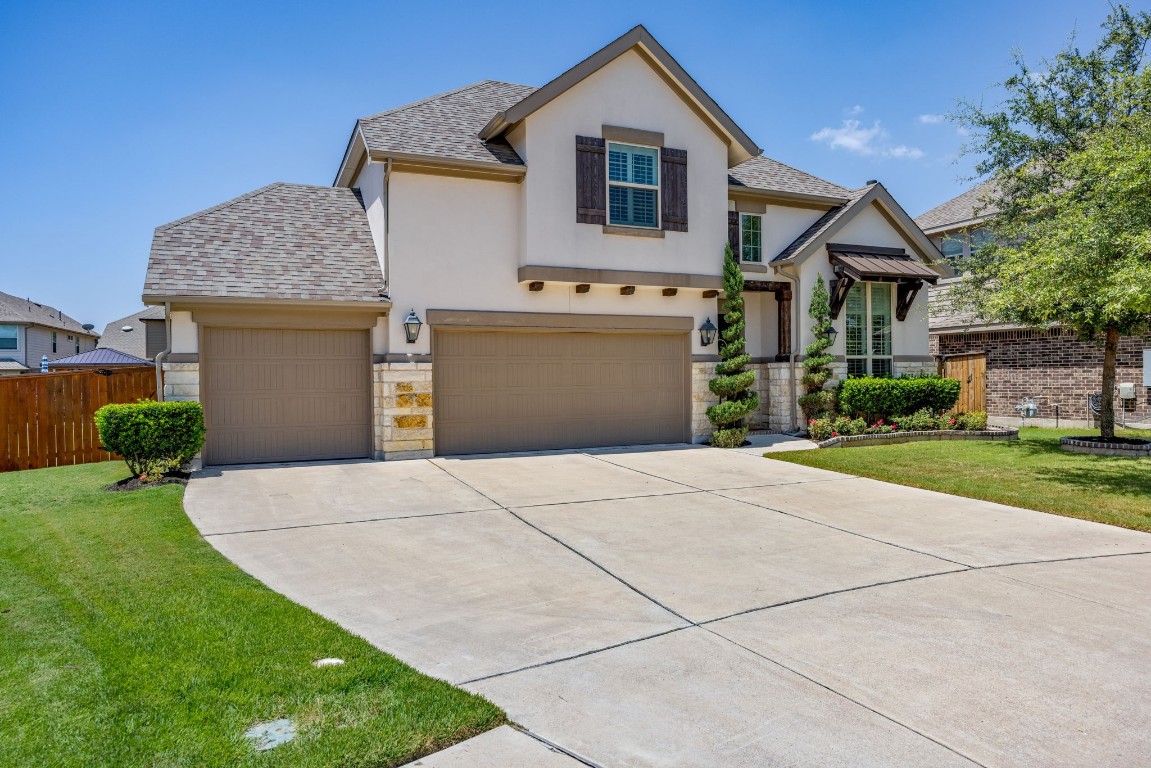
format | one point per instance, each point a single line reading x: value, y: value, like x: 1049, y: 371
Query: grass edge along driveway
x: 126, y: 639
x: 1032, y: 472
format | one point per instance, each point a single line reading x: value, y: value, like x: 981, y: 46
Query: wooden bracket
x: 536, y: 285
x: 710, y: 294
x: 583, y: 287
x: 839, y: 287
x: 626, y: 290
x: 905, y: 297
x: 670, y: 291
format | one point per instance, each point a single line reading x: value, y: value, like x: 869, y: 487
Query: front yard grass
x: 1032, y: 473
x: 126, y: 640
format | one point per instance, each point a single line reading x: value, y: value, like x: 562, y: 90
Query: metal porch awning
x: 859, y: 263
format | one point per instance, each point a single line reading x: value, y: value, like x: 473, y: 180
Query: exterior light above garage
x: 707, y: 333
x: 412, y: 325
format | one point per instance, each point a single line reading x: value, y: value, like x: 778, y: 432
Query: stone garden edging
x: 893, y: 438
x: 1076, y: 445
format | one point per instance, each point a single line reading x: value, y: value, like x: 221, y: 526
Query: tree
x: 732, y: 384
x: 816, y: 401
x: 1069, y: 151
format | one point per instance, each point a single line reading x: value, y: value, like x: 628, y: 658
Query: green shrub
x: 976, y: 421
x: 153, y: 438
x: 732, y: 384
x: 872, y: 398
x: 826, y: 428
x: 922, y: 420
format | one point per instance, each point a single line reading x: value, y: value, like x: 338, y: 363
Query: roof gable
x: 826, y: 226
x: 965, y: 209
x: 740, y: 145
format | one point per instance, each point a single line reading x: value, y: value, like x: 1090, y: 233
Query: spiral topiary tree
x: 732, y: 384
x: 817, y: 401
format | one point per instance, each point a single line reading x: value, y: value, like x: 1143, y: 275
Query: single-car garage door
x: 285, y: 395
x: 520, y: 391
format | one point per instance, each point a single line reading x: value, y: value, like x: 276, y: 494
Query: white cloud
x: 858, y: 139
x: 965, y: 132
x: 853, y: 111
x: 931, y: 119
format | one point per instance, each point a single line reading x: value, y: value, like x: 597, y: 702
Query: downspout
x: 167, y: 350
x: 387, y: 225
x: 796, y: 301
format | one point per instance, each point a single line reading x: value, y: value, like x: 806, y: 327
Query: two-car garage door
x: 518, y: 391
x: 273, y: 394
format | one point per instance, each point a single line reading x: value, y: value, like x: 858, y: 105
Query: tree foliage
x: 1069, y: 154
x: 732, y: 383
x: 817, y: 401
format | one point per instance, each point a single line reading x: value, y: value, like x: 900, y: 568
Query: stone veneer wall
x: 1054, y: 367
x: 181, y: 381
x: 402, y: 411
x: 701, y: 398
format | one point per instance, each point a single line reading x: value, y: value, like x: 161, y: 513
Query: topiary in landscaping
x: 817, y: 401
x: 732, y: 384
x: 153, y: 437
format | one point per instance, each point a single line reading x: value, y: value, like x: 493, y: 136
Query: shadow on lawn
x: 1103, y: 474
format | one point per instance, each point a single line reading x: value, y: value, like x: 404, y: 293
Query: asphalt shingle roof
x: 820, y: 225
x: 99, y: 357
x: 958, y: 210
x: 764, y: 173
x: 447, y: 125
x: 14, y: 309
x: 133, y: 342
x: 282, y: 241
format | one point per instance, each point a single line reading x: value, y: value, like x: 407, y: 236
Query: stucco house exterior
x: 503, y: 268
x: 30, y: 331
x: 1001, y: 364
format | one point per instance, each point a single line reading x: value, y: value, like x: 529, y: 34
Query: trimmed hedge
x: 873, y: 398
x: 153, y: 437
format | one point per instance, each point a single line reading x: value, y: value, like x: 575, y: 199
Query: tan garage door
x: 285, y: 395
x: 511, y: 391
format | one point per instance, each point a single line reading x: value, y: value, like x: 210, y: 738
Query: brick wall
x: 1054, y: 367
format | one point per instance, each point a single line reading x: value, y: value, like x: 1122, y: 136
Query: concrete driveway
x: 684, y: 606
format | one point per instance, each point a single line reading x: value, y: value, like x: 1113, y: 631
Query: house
x: 502, y: 268
x: 141, y: 334
x: 97, y: 358
x: 30, y: 331
x: 1002, y: 364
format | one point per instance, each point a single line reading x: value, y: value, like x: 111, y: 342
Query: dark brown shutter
x: 591, y: 181
x: 733, y: 232
x: 673, y: 208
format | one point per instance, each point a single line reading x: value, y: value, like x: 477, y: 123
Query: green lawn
x: 1032, y: 472
x: 126, y: 640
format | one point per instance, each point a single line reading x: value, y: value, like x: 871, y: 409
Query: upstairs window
x: 751, y: 237
x: 9, y: 337
x: 53, y: 342
x: 633, y: 185
x: 952, y: 248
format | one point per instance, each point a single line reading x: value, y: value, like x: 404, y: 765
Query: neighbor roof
x: 14, y: 309
x: 99, y: 357
x: 968, y: 208
x: 282, y: 241
x: 771, y: 175
x: 133, y: 341
x: 8, y: 364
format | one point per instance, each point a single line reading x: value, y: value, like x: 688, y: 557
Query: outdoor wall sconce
x: 831, y: 334
x: 707, y: 333
x: 412, y: 326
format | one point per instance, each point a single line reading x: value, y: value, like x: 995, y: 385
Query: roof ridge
x: 221, y: 206
x: 444, y: 94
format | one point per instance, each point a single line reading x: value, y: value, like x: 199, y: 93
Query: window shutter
x: 733, y: 232
x: 591, y: 181
x: 673, y: 168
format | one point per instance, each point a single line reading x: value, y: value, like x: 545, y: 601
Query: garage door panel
x: 508, y: 391
x: 286, y: 395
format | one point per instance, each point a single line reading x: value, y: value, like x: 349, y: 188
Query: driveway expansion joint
x: 351, y: 522
x: 552, y: 745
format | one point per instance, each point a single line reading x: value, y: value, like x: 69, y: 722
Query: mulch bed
x: 135, y: 483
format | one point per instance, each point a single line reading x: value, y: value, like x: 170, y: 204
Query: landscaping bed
x: 1130, y: 447
x: 126, y: 639
x: 1031, y: 472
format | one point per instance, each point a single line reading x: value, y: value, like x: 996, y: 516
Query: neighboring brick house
x: 30, y: 331
x: 141, y: 334
x: 1051, y: 366
x: 503, y: 267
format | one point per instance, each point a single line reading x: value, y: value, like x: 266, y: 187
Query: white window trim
x: 657, y: 187
x: 750, y: 215
x: 867, y: 332
x: 17, y: 347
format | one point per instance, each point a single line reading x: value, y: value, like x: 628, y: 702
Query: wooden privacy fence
x: 46, y: 419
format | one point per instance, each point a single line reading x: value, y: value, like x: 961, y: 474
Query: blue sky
x: 118, y: 117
